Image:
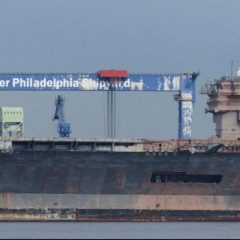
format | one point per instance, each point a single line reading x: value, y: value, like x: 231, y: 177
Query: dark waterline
x: 119, y: 230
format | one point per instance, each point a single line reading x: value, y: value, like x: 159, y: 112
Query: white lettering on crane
x: 187, y: 119
x: 15, y: 81
x: 137, y: 85
x: 176, y: 83
x: 4, y: 83
x: 166, y: 84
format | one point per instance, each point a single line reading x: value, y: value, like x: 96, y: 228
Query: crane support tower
x: 182, y: 84
x: 63, y: 127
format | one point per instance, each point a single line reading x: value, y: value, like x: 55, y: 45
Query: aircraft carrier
x: 76, y: 179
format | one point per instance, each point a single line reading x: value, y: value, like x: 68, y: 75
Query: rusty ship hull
x: 119, y: 180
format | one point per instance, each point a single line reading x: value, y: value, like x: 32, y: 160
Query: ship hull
x: 41, y: 183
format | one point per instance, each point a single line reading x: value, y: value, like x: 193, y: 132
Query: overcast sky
x: 164, y: 36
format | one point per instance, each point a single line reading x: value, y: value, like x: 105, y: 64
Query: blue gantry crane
x: 63, y: 128
x: 182, y: 84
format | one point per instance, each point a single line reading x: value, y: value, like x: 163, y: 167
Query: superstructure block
x: 11, y: 121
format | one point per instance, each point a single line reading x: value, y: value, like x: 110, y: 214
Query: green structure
x: 11, y: 121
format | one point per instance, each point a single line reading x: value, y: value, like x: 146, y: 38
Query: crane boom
x: 63, y: 127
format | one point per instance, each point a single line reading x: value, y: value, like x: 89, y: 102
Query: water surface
x: 80, y: 230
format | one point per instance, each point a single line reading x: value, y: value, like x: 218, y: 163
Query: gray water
x: 120, y: 230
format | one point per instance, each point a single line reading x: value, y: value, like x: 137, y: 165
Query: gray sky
x: 162, y: 36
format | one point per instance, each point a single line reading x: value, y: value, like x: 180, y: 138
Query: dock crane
x: 63, y: 127
x: 181, y: 84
